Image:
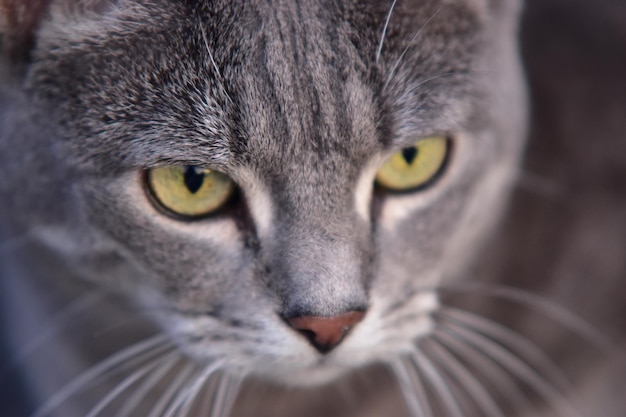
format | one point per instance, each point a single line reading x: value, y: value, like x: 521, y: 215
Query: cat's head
x: 365, y: 150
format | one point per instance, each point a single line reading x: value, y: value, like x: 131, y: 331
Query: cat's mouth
x: 322, y: 372
x: 303, y: 350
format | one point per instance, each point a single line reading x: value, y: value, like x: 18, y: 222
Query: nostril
x: 325, y: 333
x: 308, y: 334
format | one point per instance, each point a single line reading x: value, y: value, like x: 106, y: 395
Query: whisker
x: 220, y: 394
x: 61, y: 319
x: 176, y: 385
x: 419, y: 387
x: 541, y: 186
x: 516, y: 366
x: 489, y: 369
x: 231, y: 395
x: 217, y: 71
x: 437, y: 381
x: 190, y: 397
x: 513, y: 341
x: 470, y: 383
x: 208, y: 397
x: 382, y: 37
x: 125, y: 384
x: 139, y: 350
x: 185, y: 399
x: 146, y: 387
x: 414, y: 88
x: 545, y: 306
x: 119, y: 324
x: 419, y: 31
x: 400, y: 370
x: 178, y: 401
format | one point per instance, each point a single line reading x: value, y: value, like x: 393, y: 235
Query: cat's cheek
x: 422, y: 234
x: 480, y: 218
x: 119, y: 209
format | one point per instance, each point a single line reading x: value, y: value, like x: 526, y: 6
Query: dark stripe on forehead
x: 313, y: 56
x: 309, y: 76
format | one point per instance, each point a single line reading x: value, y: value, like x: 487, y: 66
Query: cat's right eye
x: 415, y: 167
x: 190, y: 191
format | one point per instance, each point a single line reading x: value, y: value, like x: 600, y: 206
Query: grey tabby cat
x: 268, y: 208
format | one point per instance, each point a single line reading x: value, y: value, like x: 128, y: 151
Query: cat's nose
x: 325, y: 333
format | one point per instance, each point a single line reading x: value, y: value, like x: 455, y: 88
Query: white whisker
x: 489, y: 369
x: 64, y: 317
x: 208, y: 396
x: 382, y: 36
x: 186, y: 398
x: 542, y: 305
x: 476, y: 390
x: 437, y: 381
x: 400, y: 369
x: 512, y: 340
x: 516, y: 366
x: 139, y: 351
x: 118, y: 325
x: 177, y: 402
x: 541, y: 186
x: 146, y: 387
x: 220, y: 394
x: 124, y: 385
x: 177, y: 384
x: 399, y: 60
x: 220, y: 79
x: 414, y: 88
x: 231, y: 395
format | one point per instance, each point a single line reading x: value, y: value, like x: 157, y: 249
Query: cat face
x: 300, y: 104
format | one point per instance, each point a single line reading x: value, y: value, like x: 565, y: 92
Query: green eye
x: 190, y: 191
x: 414, y: 167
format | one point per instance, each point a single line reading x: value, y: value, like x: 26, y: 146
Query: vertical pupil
x: 409, y: 154
x: 193, y: 178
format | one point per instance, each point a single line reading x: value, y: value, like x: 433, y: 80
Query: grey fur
x: 292, y: 101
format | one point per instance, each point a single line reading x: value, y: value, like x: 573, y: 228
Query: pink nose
x: 326, y: 332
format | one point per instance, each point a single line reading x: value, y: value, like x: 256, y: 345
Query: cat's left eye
x: 190, y: 191
x: 414, y: 167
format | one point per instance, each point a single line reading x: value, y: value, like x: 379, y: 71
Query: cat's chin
x: 310, y: 377
x: 324, y: 371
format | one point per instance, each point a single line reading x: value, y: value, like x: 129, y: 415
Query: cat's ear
x: 21, y: 19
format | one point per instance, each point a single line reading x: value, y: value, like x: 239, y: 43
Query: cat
x: 280, y: 208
